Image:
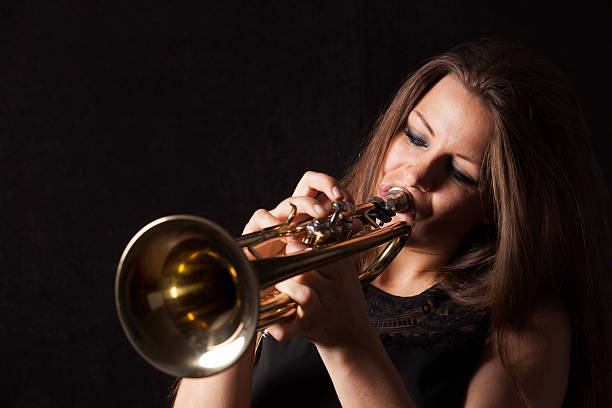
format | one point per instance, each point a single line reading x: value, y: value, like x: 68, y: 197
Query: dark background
x: 115, y: 113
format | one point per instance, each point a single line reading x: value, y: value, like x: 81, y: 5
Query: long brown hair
x: 549, y: 241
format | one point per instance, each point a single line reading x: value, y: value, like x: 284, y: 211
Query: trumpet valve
x: 322, y: 231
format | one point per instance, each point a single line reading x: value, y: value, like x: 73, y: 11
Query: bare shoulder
x: 547, y: 335
x: 551, y: 318
x: 538, y: 357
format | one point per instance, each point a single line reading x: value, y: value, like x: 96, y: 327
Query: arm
x: 230, y: 388
x: 332, y: 315
x: 364, y: 376
x: 539, y: 357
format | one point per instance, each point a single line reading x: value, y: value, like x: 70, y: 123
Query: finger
x: 308, y: 304
x: 306, y: 207
x: 312, y: 278
x: 313, y: 182
x: 287, y: 329
x: 291, y: 327
x: 300, y: 293
x: 341, y: 272
x: 259, y: 220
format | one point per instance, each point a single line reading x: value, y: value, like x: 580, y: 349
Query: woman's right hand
x: 312, y: 197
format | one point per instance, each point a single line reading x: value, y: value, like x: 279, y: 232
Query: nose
x: 426, y: 173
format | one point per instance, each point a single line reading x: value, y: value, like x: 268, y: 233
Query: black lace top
x: 434, y: 343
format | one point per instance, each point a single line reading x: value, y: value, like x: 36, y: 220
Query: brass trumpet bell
x: 181, y: 302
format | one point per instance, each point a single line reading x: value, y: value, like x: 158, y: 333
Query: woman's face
x: 438, y: 157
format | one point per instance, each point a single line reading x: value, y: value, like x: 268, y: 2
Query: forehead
x: 454, y: 114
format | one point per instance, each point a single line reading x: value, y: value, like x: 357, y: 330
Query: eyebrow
x: 468, y: 159
x: 422, y: 118
x: 425, y: 123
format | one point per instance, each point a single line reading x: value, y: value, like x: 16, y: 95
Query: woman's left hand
x: 331, y: 306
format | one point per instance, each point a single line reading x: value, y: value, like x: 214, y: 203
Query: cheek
x: 458, y: 209
x: 397, y: 155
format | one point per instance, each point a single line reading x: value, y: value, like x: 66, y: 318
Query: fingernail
x: 319, y: 209
x: 336, y: 191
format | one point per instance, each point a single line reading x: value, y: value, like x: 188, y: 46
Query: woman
x: 496, y: 298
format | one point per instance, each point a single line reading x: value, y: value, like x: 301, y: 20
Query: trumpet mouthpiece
x: 398, y: 200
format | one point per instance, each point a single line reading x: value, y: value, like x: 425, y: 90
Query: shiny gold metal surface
x: 180, y: 298
x: 190, y: 300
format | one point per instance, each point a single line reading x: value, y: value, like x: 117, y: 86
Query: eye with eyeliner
x: 461, y: 177
x: 416, y: 140
x: 455, y: 173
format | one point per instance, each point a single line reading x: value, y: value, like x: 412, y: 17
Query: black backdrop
x: 115, y: 113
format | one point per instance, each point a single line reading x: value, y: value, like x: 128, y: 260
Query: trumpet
x: 190, y: 297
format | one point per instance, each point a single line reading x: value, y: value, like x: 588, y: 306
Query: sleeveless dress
x: 434, y: 342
